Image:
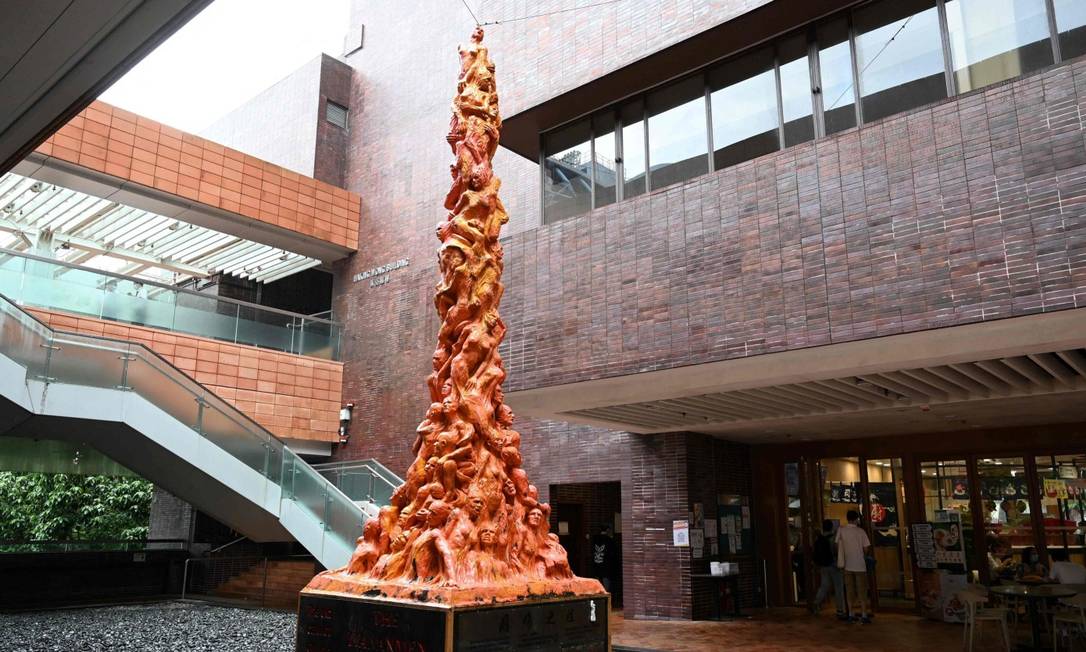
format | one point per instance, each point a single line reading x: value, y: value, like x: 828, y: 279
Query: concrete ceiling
x: 58, y: 55
x: 1012, y: 372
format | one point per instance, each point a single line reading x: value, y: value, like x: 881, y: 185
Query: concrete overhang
x: 1018, y: 371
x: 520, y: 131
x: 56, y: 56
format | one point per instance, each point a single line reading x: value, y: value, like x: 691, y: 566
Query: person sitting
x: 1065, y: 571
x: 1000, y: 562
x: 1031, y: 568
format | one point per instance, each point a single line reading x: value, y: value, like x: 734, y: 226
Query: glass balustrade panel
x: 77, y: 360
x: 23, y: 339
x: 153, y: 379
x: 230, y: 433
x: 54, y: 286
x: 134, y: 302
x: 206, y: 317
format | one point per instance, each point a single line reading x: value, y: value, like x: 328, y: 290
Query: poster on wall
x: 959, y: 487
x: 680, y: 533
x: 1055, y: 488
x: 697, y: 542
x: 883, y: 504
x: 949, y: 545
x: 1004, y: 488
x: 924, y: 546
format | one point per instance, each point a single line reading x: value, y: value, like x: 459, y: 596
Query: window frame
x: 809, y: 32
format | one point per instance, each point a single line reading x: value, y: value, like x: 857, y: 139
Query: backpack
x: 823, y: 551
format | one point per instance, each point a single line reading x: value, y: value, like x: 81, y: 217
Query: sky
x: 227, y: 54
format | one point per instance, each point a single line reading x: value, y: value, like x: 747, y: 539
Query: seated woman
x: 1031, y: 568
x: 1000, y: 561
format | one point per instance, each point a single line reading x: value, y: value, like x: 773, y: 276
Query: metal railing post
x: 185, y: 578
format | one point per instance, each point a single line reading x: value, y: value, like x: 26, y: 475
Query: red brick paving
x: 793, y: 630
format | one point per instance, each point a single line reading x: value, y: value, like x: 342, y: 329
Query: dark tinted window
x: 606, y: 175
x: 567, y: 181
x: 1071, y: 25
x: 899, y: 53
x: 835, y: 69
x: 744, y: 103
x: 796, y: 98
x: 993, y: 40
x: 678, y: 144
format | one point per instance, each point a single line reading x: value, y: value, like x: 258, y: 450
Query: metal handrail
x: 226, y: 545
x: 172, y: 288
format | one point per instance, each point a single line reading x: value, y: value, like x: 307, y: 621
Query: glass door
x: 889, y: 532
x: 1005, y: 511
x: 796, y: 524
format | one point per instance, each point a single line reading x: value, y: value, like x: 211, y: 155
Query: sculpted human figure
x: 466, y: 515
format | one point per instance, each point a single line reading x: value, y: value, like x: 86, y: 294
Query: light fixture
x: 345, y: 413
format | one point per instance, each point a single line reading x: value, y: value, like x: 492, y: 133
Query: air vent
x: 336, y: 114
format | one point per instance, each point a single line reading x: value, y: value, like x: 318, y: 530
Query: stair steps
x: 280, y: 590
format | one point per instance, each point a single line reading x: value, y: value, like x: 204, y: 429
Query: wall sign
x: 381, y: 275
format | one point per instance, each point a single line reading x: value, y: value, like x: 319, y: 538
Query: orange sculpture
x: 466, y: 527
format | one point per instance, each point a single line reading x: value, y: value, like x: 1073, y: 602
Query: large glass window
x: 1071, y: 25
x: 796, y: 96
x: 567, y: 175
x: 946, y: 500
x: 835, y: 70
x: 1005, y: 495
x: 993, y: 40
x: 744, y: 106
x: 899, y: 53
x: 1062, y: 481
x: 606, y: 177
x: 633, y: 149
x: 678, y: 145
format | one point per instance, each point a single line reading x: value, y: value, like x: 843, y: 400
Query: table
x: 1034, y: 595
x: 724, y: 585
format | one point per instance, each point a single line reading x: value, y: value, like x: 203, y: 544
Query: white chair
x: 1073, y: 619
x: 975, y: 615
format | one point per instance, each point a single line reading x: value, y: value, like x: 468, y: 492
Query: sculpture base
x: 334, y: 622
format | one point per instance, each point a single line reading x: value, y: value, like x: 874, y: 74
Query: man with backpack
x: 824, y: 556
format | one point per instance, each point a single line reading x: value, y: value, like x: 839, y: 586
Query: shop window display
x: 1062, y: 483
x: 1005, y: 495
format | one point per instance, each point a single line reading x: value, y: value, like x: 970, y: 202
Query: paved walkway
x: 795, y: 631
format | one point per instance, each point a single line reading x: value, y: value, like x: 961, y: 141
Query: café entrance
x: 1011, y: 493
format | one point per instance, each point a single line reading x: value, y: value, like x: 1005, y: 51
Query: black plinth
x: 334, y: 623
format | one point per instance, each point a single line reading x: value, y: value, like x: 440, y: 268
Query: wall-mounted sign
x: 378, y: 276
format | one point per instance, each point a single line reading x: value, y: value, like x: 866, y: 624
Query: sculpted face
x: 475, y: 505
x: 509, y: 488
x: 535, y: 517
x: 487, y: 536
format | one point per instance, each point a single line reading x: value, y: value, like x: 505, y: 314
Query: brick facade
x: 965, y: 210
x: 132, y: 148
x: 292, y: 396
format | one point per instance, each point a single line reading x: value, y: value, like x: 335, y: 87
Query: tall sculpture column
x: 466, y: 528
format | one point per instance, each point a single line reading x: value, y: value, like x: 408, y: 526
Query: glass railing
x: 90, y: 361
x: 362, y: 480
x: 35, y: 281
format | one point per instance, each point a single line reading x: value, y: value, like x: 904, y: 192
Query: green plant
x: 60, y: 507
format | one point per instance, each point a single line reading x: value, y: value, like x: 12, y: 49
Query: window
x: 1071, y: 25
x: 606, y: 175
x: 796, y: 97
x: 1062, y: 482
x: 857, y: 66
x: 743, y: 98
x: 633, y: 149
x: 993, y: 40
x: 336, y: 114
x: 835, y: 72
x: 899, y: 53
x: 567, y: 178
x: 678, y: 145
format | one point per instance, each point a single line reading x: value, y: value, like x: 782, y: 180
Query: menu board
x: 924, y: 545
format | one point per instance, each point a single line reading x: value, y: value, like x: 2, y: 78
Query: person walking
x: 853, y: 547
x: 824, y: 555
x: 603, y: 556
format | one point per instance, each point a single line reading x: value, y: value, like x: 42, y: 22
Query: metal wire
x: 548, y: 13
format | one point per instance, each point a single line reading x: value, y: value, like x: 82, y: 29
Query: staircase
x: 133, y: 406
x: 275, y: 585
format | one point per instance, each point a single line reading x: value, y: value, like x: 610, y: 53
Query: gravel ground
x: 171, y: 626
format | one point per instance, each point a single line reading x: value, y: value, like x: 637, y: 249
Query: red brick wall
x: 971, y: 209
x: 290, y: 395
x: 133, y: 148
